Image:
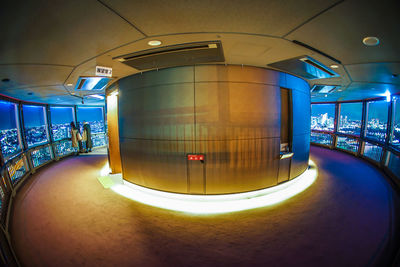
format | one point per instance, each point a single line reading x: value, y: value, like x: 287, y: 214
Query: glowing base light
x: 213, y: 204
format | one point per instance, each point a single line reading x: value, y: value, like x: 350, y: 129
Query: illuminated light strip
x: 105, y: 170
x: 213, y: 204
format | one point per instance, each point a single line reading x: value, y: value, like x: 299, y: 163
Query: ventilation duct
x: 305, y: 67
x: 175, y: 55
x: 324, y: 89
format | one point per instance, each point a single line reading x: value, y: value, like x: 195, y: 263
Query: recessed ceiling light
x: 334, y: 66
x: 69, y: 84
x: 154, y: 43
x: 371, y: 41
x: 340, y: 90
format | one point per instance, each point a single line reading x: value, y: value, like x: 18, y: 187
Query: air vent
x: 323, y: 89
x: 176, y: 55
x: 318, y: 65
x: 305, y: 67
x: 92, y: 83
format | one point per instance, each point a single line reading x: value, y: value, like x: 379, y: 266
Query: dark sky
x: 7, y: 115
x: 90, y: 114
x: 33, y: 115
x: 61, y: 115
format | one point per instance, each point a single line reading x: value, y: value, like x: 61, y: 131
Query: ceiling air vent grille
x: 175, y: 55
x: 323, y: 89
x: 305, y: 67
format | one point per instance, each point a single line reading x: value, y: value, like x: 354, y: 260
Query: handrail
x: 383, y: 145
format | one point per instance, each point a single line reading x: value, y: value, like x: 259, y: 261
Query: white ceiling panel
x: 32, y: 75
x: 357, y: 91
x: 275, y: 18
x: 375, y: 72
x: 339, y: 31
x: 59, y: 32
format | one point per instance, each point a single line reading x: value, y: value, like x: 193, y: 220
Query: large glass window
x: 322, y: 117
x: 35, y: 125
x: 321, y: 138
x: 40, y: 156
x: 395, y: 133
x: 2, y: 195
x: 377, y: 120
x: 372, y: 151
x: 99, y: 140
x: 61, y: 117
x: 64, y: 148
x: 350, y: 118
x: 94, y: 116
x: 393, y: 163
x: 17, y: 168
x: 347, y: 143
x: 9, y: 134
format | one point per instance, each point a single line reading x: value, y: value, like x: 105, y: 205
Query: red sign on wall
x: 195, y: 157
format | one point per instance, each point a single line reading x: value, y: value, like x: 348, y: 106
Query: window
x: 372, y: 151
x: 393, y: 163
x: 17, y: 168
x: 3, y: 190
x: 35, y: 125
x: 322, y: 117
x: 350, y: 118
x: 9, y: 135
x: 61, y: 118
x: 94, y: 116
x: 2, y: 196
x: 40, y: 156
x: 64, y: 148
x: 321, y: 138
x: 99, y: 140
x: 395, y: 133
x: 377, y: 120
x: 346, y: 143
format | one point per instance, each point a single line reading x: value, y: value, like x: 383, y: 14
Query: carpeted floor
x: 63, y: 217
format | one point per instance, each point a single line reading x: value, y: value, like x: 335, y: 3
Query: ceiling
x: 46, y: 45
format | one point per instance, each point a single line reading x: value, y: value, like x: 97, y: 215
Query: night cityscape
x: 322, y: 119
x: 36, y: 135
x: 61, y: 131
x: 36, y: 131
x: 9, y: 142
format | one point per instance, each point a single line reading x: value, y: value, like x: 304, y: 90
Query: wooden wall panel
x: 231, y: 114
x: 113, y: 134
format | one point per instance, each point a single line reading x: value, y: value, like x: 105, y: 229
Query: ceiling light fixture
x: 154, y: 43
x: 334, y: 66
x: 371, y: 41
x: 97, y: 96
x: 69, y: 84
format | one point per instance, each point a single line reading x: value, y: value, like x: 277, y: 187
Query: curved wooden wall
x: 230, y: 114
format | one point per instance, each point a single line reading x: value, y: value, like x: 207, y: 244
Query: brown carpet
x: 63, y: 217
